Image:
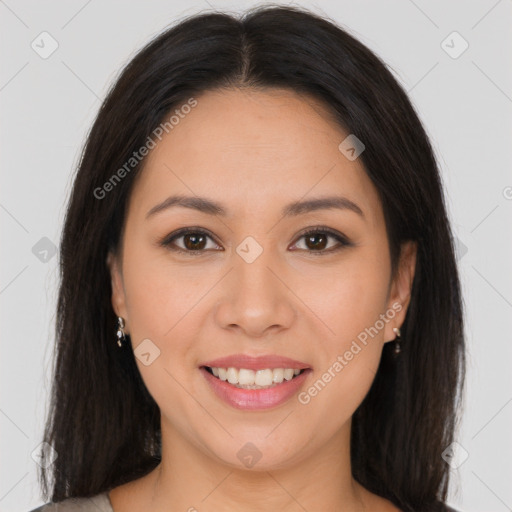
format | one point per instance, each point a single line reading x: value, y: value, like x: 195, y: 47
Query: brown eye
x: 195, y: 241
x: 192, y: 241
x: 317, y: 241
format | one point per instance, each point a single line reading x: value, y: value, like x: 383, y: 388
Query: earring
x: 121, y: 337
x: 396, y: 330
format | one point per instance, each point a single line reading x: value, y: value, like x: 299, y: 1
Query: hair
x: 102, y: 421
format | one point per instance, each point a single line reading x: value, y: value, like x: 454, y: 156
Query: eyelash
x: 167, y: 241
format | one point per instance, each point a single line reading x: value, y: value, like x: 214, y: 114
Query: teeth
x: 246, y: 377
x: 278, y: 375
x: 288, y: 374
x: 255, y: 379
x: 263, y: 378
x: 232, y: 374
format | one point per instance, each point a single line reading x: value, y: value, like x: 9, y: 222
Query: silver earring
x: 121, y: 337
x: 396, y: 330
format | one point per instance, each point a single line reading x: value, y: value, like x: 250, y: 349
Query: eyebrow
x: 211, y: 207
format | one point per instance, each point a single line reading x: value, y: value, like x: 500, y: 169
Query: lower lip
x: 255, y: 399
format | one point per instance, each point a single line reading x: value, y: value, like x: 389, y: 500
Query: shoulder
x: 98, y: 503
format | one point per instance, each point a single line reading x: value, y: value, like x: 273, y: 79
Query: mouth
x: 253, y: 390
x: 246, y: 378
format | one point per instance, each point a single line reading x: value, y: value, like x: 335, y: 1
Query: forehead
x: 253, y: 150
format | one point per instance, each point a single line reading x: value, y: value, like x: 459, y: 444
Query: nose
x: 255, y: 298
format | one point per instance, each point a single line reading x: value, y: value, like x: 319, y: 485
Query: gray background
x: 465, y: 101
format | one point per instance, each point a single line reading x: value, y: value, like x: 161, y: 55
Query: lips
x: 256, y: 362
x: 255, y: 399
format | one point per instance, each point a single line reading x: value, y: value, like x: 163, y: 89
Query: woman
x: 259, y: 307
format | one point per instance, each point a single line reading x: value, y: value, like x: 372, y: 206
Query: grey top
x: 99, y: 503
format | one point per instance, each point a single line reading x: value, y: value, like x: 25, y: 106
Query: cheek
x: 350, y: 298
x: 159, y: 294
x: 160, y: 304
x: 349, y: 359
x: 353, y: 305
x: 164, y: 307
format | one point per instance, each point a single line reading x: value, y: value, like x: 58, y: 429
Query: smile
x: 263, y: 393
x: 254, y: 379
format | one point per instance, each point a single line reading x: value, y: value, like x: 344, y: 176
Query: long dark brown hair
x: 102, y: 422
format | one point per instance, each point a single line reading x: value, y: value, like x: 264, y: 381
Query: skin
x: 254, y: 152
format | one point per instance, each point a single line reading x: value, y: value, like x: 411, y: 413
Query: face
x: 250, y: 282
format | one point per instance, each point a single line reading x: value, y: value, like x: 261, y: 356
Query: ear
x: 401, y: 286
x: 118, y: 294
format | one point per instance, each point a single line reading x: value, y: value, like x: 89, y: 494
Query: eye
x: 316, y: 240
x: 194, y: 240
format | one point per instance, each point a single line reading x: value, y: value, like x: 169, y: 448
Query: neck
x: 190, y: 479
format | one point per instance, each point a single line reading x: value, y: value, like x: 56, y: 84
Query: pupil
x: 195, y: 239
x: 320, y: 245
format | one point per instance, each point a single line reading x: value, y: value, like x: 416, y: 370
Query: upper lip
x: 255, y: 362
